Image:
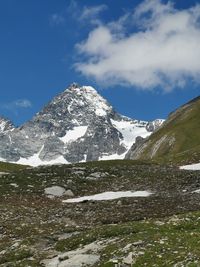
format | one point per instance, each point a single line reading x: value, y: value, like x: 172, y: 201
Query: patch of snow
x: 10, y: 139
x: 2, y: 159
x: 2, y: 126
x: 130, y: 131
x: 112, y: 156
x: 196, y: 191
x: 192, y: 167
x: 110, y: 196
x: 36, y: 161
x: 73, y: 135
x: 5, y: 125
x: 84, y: 158
x: 56, y: 191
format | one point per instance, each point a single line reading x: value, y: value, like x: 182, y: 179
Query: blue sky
x: 142, y: 56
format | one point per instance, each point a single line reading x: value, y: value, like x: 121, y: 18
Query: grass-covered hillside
x: 10, y: 167
x: 38, y: 229
x: 178, y: 141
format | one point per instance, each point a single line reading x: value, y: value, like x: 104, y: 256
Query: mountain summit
x: 78, y: 125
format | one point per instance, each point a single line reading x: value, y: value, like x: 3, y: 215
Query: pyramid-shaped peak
x: 85, y: 96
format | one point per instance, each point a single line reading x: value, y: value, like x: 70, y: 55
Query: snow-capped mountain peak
x: 78, y: 125
x: 87, y: 95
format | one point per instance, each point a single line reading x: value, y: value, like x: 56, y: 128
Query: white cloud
x: 163, y: 51
x: 85, y: 14
x: 15, y: 105
x: 91, y: 12
x: 22, y: 103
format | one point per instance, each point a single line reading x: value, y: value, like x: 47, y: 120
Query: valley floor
x: 38, y: 227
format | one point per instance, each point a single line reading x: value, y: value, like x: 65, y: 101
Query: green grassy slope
x: 10, y: 167
x: 179, y: 139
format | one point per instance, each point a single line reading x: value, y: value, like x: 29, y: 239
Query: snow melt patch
x: 192, y: 167
x: 110, y: 195
x: 112, y: 156
x: 130, y: 131
x: 36, y: 161
x: 73, y: 135
x: 196, y: 191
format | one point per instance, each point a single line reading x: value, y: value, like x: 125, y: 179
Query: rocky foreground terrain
x: 38, y: 228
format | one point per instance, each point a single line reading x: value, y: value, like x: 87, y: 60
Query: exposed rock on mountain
x: 78, y: 125
x: 152, y: 126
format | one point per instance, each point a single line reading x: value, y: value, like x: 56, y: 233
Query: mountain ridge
x: 177, y: 141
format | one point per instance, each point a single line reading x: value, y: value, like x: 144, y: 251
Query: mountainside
x: 178, y: 140
x: 78, y: 125
x: 5, y: 125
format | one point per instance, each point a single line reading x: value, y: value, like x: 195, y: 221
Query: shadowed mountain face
x: 178, y: 140
x: 78, y: 125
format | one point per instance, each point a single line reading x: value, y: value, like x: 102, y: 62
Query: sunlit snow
x: 100, y: 104
x: 73, y: 135
x: 130, y: 131
x: 192, y: 167
x: 109, y: 196
x: 36, y: 161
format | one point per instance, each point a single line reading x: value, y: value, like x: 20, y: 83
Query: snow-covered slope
x: 5, y: 125
x: 78, y: 125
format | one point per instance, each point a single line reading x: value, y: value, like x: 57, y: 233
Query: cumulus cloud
x: 156, y: 45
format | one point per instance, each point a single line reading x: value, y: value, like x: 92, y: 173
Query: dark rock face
x: 77, y: 125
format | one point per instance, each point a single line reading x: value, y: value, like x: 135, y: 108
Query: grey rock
x: 76, y: 126
x: 69, y: 193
